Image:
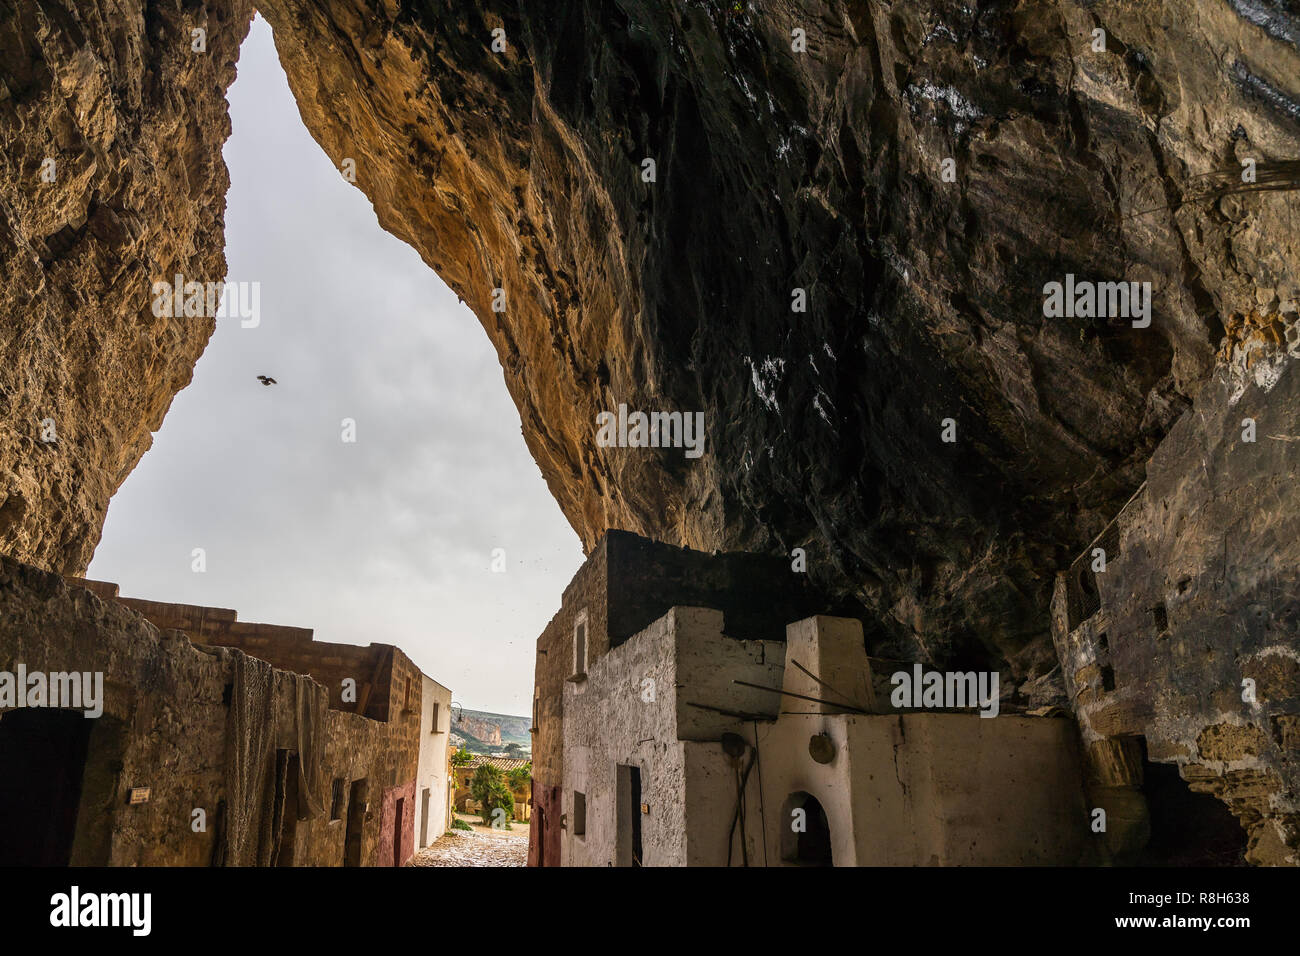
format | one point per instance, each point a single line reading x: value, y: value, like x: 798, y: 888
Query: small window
x: 406, y: 697
x: 437, y: 718
x: 579, y: 814
x: 336, y: 799
x: 536, y: 702
x: 580, y: 647
x: 1107, y: 678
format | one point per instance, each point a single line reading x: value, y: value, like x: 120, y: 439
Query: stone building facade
x: 1177, y: 628
x: 434, y: 784
x: 626, y: 584
x: 523, y: 793
x: 649, y: 778
x: 220, y: 742
x: 1179, y: 658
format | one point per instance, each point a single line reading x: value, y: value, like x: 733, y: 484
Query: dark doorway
x: 399, y: 806
x: 806, y: 835
x: 356, y: 823
x: 539, y: 812
x: 628, y: 785
x: 424, y: 818
x: 42, y: 759
x: 287, y: 804
x: 1187, y: 828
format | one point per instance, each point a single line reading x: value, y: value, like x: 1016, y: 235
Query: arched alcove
x: 805, y: 837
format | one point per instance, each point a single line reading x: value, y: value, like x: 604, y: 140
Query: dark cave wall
x: 134, y: 121
x: 822, y: 170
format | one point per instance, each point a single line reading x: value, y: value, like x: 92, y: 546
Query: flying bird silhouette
x: 266, y: 380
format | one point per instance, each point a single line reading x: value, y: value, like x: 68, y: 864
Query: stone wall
x: 757, y: 594
x: 920, y: 789
x: 167, y: 695
x: 134, y: 121
x: 1188, y: 638
x: 627, y: 583
x: 371, y: 667
x: 434, y: 773
x: 586, y: 593
x: 904, y: 790
x: 166, y: 727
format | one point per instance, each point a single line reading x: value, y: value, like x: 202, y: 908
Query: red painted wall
x: 389, y: 821
x: 544, y: 835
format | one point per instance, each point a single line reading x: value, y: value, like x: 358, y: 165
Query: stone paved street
x: 481, y: 846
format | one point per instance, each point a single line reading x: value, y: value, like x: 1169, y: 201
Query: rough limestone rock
x: 133, y: 120
x: 827, y: 226
x: 522, y: 169
x: 795, y: 146
x: 1185, y: 647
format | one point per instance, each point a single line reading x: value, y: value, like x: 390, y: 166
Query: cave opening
x: 350, y: 452
x: 42, y: 764
x: 1187, y: 828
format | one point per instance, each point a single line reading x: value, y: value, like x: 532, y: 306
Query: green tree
x: 518, y: 778
x: 488, y: 787
x: 461, y: 757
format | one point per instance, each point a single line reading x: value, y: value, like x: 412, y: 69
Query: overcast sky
x: 388, y: 539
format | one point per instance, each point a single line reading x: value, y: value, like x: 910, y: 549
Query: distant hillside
x: 482, y: 730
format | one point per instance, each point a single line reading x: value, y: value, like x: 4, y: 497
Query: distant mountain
x: 491, y: 732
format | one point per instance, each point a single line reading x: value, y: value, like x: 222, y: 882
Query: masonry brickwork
x: 168, y: 674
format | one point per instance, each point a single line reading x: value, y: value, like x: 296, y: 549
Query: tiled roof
x: 504, y: 764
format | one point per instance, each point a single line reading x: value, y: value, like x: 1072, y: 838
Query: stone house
x: 677, y: 750
x: 220, y: 742
x: 434, y: 784
x: 1177, y: 633
x: 626, y: 584
x: 523, y: 793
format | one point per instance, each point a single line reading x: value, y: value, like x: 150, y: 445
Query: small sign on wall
x: 140, y: 794
x: 645, y: 808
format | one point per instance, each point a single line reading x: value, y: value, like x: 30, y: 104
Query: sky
x: 388, y: 538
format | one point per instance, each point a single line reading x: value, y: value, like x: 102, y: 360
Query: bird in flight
x: 266, y: 380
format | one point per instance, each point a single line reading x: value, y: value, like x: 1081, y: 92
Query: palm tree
x: 488, y: 787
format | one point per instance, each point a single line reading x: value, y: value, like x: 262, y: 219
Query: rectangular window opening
x: 336, y: 799
x: 580, y: 648
x: 579, y: 814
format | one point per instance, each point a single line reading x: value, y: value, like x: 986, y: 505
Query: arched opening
x: 806, y: 832
x: 385, y: 459
x: 1187, y: 828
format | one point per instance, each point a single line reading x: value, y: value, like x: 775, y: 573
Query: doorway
x: 805, y: 832
x: 424, y: 818
x: 356, y: 823
x: 42, y: 763
x: 399, y: 808
x: 287, y: 804
x: 627, y: 782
